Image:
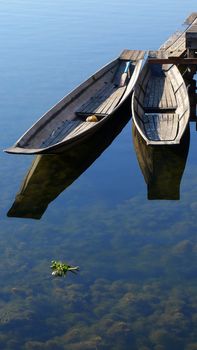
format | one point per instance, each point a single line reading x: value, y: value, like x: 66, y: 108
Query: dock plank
x: 192, y: 29
x: 180, y: 51
x: 171, y: 40
x: 132, y: 55
x: 159, y: 54
x: 191, y: 18
x: 178, y: 44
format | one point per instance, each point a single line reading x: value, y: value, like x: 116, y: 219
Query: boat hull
x: 68, y: 123
x: 160, y: 104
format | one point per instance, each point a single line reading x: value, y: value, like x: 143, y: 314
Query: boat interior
x: 159, y: 102
x: 108, y: 96
x: 100, y: 104
x: 97, y: 97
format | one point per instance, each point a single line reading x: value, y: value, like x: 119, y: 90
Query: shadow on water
x: 49, y: 175
x: 162, y: 166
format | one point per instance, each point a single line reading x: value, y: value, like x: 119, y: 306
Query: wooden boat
x: 160, y: 104
x: 85, y: 109
x: 50, y: 175
x: 162, y: 167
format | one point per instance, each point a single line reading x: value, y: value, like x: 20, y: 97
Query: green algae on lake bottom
x: 137, y: 286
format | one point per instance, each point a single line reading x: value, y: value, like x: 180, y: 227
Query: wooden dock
x: 181, y: 47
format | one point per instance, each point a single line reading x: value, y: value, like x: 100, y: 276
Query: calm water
x: 137, y: 286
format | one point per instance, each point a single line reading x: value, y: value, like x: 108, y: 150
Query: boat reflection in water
x: 162, y: 166
x: 49, y: 175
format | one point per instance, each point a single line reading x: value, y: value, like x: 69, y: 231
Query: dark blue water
x: 137, y: 285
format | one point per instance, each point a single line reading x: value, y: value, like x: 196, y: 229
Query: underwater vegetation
x: 137, y: 288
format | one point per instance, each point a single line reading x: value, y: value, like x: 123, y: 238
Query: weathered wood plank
x: 176, y: 45
x: 175, y: 73
x: 135, y: 55
x: 141, y: 55
x: 96, y: 97
x: 138, y: 107
x: 83, y: 126
x: 97, y: 100
x: 161, y: 127
x: 150, y: 128
x: 104, y: 105
x: 159, y: 54
x: 145, y: 79
x: 192, y: 29
x: 159, y: 94
x: 167, y: 94
x: 58, y: 134
x: 163, y: 103
x: 179, y: 52
x: 116, y: 100
x: 111, y: 100
x: 132, y: 55
x: 158, y: 128
x: 101, y: 107
x: 173, y: 80
x: 171, y: 40
x: 191, y: 18
x: 149, y: 94
x: 125, y: 55
x: 173, y: 60
x: 170, y: 95
x: 174, y: 127
x: 167, y: 135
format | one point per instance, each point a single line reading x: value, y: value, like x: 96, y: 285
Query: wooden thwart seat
x: 161, y: 126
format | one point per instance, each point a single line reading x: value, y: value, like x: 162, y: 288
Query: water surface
x: 137, y: 283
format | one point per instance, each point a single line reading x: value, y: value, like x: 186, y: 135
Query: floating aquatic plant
x: 60, y: 269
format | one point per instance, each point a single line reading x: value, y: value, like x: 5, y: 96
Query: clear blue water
x: 137, y: 284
